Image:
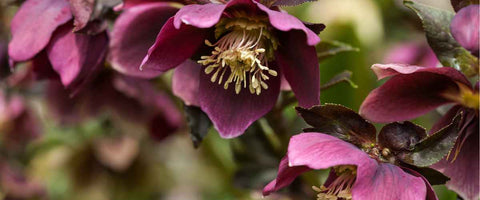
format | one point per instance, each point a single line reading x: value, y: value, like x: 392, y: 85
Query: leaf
x: 436, y: 24
x: 199, y: 124
x: 339, y: 78
x: 459, y: 4
x: 433, y: 176
x: 401, y: 136
x: 434, y: 147
x: 339, y: 121
x: 327, y: 49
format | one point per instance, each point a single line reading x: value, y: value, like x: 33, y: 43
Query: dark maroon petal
x: 430, y: 192
x: 405, y: 97
x: 386, y: 70
x: 173, y: 46
x: 299, y: 65
x: 389, y: 182
x: 285, y: 176
x: 132, y: 3
x: 321, y: 151
x: 34, y: 24
x: 464, y: 28
x: 41, y: 67
x: 232, y: 113
x: 186, y: 81
x: 446, y: 119
x: 75, y: 57
x: 63, y: 108
x: 134, y: 32
x: 464, y: 171
x: 287, y: 23
x: 201, y: 16
x: 81, y: 10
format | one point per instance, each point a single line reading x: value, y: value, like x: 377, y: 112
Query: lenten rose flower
x: 413, y: 91
x: 464, y: 28
x: 42, y: 32
x: 241, y: 50
x: 414, y: 53
x: 355, y: 174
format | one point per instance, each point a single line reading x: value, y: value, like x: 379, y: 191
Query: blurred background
x: 105, y: 158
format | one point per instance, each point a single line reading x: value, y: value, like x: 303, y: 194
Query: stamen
x: 242, y: 52
x: 341, y: 187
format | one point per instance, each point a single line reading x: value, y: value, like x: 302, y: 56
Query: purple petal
x: 76, y: 56
x: 186, y: 81
x: 299, y: 64
x: 81, y: 10
x: 321, y: 151
x: 201, y: 16
x: 430, y: 192
x: 464, y: 171
x: 132, y: 3
x: 389, y: 182
x: 134, y: 32
x: 34, y: 24
x: 285, y: 176
x: 413, y: 53
x: 464, y: 28
x: 41, y: 67
x: 232, y: 113
x: 173, y: 46
x: 286, y: 22
x: 386, y: 70
x: 405, y: 97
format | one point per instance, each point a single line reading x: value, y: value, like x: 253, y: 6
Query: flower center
x: 466, y: 97
x: 242, y: 53
x: 341, y: 187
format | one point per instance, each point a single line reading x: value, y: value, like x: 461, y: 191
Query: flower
x: 464, y: 28
x: 414, y: 53
x: 42, y: 32
x: 127, y: 98
x: 241, y: 50
x: 413, y: 91
x: 355, y: 174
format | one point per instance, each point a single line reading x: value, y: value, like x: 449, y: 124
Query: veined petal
x: 33, y: 26
x: 389, y: 182
x: 134, y: 32
x: 233, y: 113
x: 201, y: 16
x: 186, y: 81
x: 285, y: 176
x: 464, y: 28
x: 430, y: 192
x: 299, y: 64
x: 173, y: 46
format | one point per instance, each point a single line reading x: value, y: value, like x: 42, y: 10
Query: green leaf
x: 433, y: 148
x: 433, y: 176
x: 327, y: 49
x: 436, y: 23
x: 344, y: 76
x: 339, y: 121
x: 199, y: 124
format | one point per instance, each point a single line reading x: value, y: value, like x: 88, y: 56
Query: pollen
x: 240, y: 57
x: 341, y: 187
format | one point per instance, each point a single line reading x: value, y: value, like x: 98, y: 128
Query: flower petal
x: 409, y: 95
x: 321, y: 151
x: 76, y: 56
x: 413, y: 53
x: 186, y: 81
x: 201, y: 16
x: 173, y: 46
x: 389, y: 182
x: 299, y: 64
x: 464, y: 171
x: 34, y: 24
x: 134, y: 32
x: 464, y: 28
x: 430, y: 192
x: 232, y: 113
x: 285, y: 176
x: 287, y: 23
x: 132, y: 3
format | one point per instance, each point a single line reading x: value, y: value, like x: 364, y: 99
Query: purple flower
x: 42, y: 31
x: 134, y: 100
x: 464, y: 28
x: 413, y: 91
x: 241, y: 50
x: 414, y: 53
x: 356, y: 174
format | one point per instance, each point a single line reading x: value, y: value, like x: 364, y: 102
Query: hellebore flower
x: 42, y: 31
x: 18, y: 125
x: 15, y: 185
x: 132, y: 99
x: 364, y: 167
x: 464, y: 28
x: 414, y: 53
x: 241, y: 50
x: 413, y: 91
